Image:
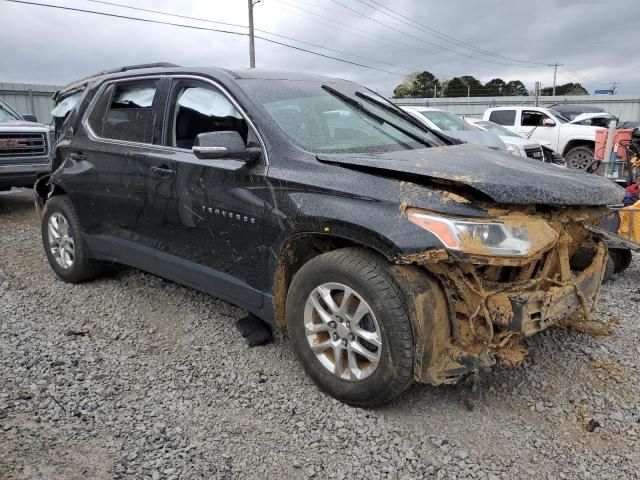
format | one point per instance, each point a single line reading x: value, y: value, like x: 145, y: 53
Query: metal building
x: 29, y: 99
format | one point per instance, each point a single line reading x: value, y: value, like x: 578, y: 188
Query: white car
x: 516, y: 144
x: 575, y: 142
x: 455, y: 127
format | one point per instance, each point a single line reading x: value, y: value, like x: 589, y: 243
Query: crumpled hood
x: 504, y: 178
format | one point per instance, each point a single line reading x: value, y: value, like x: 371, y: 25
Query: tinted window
x: 503, y: 117
x: 128, y: 110
x: 201, y: 109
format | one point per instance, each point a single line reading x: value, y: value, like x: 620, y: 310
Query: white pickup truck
x: 573, y: 141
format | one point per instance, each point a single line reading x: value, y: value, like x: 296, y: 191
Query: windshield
x: 447, y: 122
x: 497, y: 129
x: 561, y: 118
x: 6, y: 115
x: 333, y: 119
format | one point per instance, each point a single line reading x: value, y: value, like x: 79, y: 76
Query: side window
x: 503, y: 117
x: 123, y: 112
x: 532, y: 118
x: 199, y: 108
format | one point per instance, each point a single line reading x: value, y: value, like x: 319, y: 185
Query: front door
x: 539, y: 126
x: 206, y: 215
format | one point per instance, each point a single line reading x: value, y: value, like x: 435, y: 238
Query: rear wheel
x: 348, y: 325
x: 579, y: 158
x: 63, y: 245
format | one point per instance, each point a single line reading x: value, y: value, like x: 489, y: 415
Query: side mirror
x: 30, y: 118
x: 547, y: 122
x: 227, y: 145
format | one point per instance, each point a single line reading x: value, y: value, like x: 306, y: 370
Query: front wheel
x: 349, y: 327
x: 579, y: 158
x: 622, y: 258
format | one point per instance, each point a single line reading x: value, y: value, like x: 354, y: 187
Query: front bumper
x: 23, y: 175
x: 488, y: 319
x: 534, y: 311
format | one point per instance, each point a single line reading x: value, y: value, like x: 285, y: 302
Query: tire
x: 74, y: 265
x: 608, y: 270
x: 579, y: 158
x: 622, y: 258
x: 369, y: 276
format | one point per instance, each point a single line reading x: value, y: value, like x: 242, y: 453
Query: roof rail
x: 77, y: 84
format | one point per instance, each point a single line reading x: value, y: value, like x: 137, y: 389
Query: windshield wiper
x: 393, y: 108
x: 361, y: 108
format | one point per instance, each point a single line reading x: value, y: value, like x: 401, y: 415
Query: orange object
x: 601, y: 142
x: 630, y: 222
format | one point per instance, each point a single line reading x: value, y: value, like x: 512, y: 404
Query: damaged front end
x: 539, y: 269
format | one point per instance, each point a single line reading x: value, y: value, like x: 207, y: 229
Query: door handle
x: 162, y: 171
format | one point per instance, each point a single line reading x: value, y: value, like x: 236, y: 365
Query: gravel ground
x: 134, y: 377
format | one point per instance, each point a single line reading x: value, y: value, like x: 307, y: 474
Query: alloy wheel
x: 61, y: 243
x: 342, y: 331
x: 580, y: 160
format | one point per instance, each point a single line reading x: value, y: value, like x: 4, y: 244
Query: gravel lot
x: 134, y: 377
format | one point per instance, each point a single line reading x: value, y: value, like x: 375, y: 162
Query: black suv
x: 389, y: 253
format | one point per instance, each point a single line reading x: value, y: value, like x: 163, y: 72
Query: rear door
x: 106, y: 167
x: 206, y: 215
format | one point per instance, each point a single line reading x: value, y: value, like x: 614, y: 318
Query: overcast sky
x: 597, y: 41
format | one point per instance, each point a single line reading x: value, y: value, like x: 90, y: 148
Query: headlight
x: 512, y: 149
x: 509, y: 236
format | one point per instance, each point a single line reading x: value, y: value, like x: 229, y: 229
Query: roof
x: 263, y: 74
x: 78, y: 84
x: 148, y: 68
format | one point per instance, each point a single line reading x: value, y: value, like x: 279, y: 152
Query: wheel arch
x: 577, y: 142
x: 301, y: 247
x: 44, y: 189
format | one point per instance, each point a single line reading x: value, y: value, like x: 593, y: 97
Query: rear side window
x: 123, y: 112
x: 503, y: 117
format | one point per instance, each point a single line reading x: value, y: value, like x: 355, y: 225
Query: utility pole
x: 613, y: 88
x: 536, y: 92
x: 555, y: 74
x: 252, y: 47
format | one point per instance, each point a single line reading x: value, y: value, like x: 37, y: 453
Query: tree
x: 401, y: 91
x: 515, y: 88
x: 423, y: 85
x: 566, y: 89
x: 474, y: 83
x: 495, y: 87
x: 461, y: 86
x: 418, y: 84
x: 455, y: 88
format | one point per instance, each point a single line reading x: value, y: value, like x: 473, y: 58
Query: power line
x: 206, y: 20
x: 194, y: 27
x: 441, y: 35
x: 375, y: 37
x: 417, y: 38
